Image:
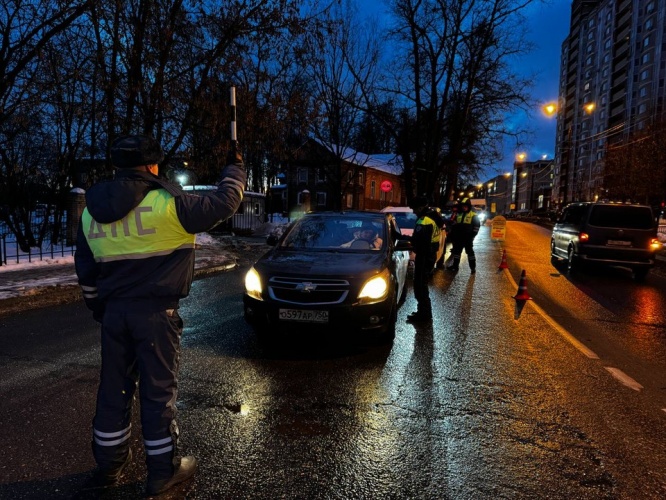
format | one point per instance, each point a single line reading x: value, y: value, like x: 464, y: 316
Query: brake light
x: 583, y: 237
x: 655, y: 244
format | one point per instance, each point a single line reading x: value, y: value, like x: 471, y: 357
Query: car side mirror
x: 271, y: 240
x: 403, y: 245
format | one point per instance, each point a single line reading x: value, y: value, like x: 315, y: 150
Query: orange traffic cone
x: 522, y: 288
x: 503, y: 264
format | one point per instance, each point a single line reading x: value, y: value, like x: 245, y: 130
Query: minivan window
x: 574, y: 215
x: 621, y: 216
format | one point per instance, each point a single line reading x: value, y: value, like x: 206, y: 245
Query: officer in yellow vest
x: 425, y: 242
x: 465, y: 228
x: 135, y: 261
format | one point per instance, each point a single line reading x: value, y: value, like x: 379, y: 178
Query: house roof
x: 388, y: 162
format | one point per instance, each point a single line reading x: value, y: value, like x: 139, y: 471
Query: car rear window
x: 621, y: 216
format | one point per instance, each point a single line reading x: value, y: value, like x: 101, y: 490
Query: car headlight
x: 253, y: 284
x: 375, y: 289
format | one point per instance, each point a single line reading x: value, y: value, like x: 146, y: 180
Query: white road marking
x: 624, y: 378
x: 560, y: 329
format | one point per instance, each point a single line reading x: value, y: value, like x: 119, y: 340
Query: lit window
x: 372, y: 190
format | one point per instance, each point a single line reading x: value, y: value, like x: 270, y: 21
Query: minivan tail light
x: 583, y: 237
x: 655, y: 244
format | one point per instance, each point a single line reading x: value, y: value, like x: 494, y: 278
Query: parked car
x: 606, y: 234
x: 406, y: 220
x: 324, y: 274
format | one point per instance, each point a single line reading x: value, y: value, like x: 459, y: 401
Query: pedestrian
x: 425, y: 243
x: 465, y: 229
x: 135, y: 261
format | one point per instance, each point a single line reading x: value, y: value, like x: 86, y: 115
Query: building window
x: 646, y: 41
x: 588, y: 61
x: 607, y: 44
x: 372, y: 190
x: 645, y: 74
x: 642, y: 108
x: 606, y: 58
x: 643, y: 92
x: 300, y: 198
x: 360, y: 178
x: 321, y: 175
x: 321, y: 199
x: 649, y: 24
x: 604, y: 73
x: 350, y: 200
x: 587, y: 86
x: 645, y: 58
x: 302, y: 175
x: 650, y: 7
x: 349, y: 176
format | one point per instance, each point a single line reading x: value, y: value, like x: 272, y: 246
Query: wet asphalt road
x: 484, y: 403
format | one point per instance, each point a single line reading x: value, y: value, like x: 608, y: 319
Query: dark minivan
x: 609, y: 234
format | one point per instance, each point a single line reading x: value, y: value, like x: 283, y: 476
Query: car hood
x: 338, y: 264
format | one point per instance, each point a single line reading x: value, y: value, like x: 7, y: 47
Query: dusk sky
x: 547, y: 29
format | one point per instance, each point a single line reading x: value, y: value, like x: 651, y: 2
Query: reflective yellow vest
x: 150, y: 229
x: 436, y: 231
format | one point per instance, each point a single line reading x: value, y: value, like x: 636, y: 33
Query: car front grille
x: 308, y: 291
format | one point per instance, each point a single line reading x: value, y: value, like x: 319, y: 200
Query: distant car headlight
x: 253, y: 284
x: 375, y: 289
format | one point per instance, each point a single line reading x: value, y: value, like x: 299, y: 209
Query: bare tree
x: 451, y: 70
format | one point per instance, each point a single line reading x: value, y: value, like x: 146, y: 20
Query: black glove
x: 234, y: 156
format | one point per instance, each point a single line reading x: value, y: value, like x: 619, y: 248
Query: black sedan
x: 335, y: 271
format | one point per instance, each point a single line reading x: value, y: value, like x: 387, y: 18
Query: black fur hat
x: 131, y: 151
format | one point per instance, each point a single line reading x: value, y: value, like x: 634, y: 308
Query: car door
x: 400, y: 258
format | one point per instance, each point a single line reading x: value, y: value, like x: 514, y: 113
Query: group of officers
x: 461, y: 228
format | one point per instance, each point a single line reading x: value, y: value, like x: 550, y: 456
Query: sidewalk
x: 53, y: 282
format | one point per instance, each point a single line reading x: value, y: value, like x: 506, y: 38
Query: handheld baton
x: 232, y: 93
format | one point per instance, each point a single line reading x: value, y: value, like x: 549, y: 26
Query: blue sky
x: 548, y: 26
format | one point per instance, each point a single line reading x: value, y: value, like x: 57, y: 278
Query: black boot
x: 108, y: 476
x: 184, y: 471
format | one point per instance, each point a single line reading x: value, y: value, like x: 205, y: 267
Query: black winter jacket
x: 156, y: 282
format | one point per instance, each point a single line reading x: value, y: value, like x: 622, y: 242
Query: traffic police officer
x: 425, y: 243
x: 135, y: 261
x: 465, y: 229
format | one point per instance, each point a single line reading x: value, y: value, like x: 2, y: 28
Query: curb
x: 58, y: 295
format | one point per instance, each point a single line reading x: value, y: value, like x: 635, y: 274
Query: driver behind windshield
x: 366, y: 237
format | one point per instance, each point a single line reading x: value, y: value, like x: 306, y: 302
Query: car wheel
x: 572, y: 261
x: 640, y: 275
x: 388, y: 334
x: 554, y: 259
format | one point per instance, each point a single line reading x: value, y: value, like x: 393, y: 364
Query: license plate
x: 619, y: 243
x: 306, y: 316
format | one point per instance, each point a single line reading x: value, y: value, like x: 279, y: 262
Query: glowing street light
x: 589, y: 107
x: 550, y: 109
x: 521, y: 156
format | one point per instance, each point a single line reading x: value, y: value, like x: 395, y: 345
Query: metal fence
x: 11, y: 253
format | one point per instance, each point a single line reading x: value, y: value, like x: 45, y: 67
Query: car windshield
x: 405, y: 220
x: 354, y: 233
x: 621, y: 216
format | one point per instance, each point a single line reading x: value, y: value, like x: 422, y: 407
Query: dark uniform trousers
x: 423, y: 266
x: 145, y: 347
x: 466, y: 242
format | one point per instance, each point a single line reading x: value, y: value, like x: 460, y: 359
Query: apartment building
x: 612, y: 73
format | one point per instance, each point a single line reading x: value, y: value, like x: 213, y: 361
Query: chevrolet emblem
x: 306, y: 287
